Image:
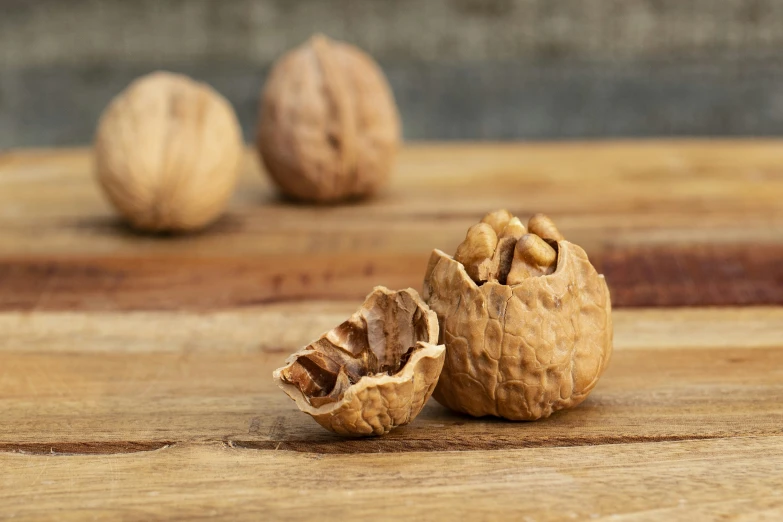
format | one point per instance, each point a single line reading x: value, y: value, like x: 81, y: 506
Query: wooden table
x: 135, y: 371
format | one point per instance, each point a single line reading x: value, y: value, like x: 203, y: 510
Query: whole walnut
x: 168, y: 151
x: 525, y: 318
x: 329, y: 128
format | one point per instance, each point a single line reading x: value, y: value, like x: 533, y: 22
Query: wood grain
x: 641, y: 210
x: 704, y: 275
x: 286, y: 327
x: 135, y: 370
x: 117, y: 383
x: 736, y: 479
x: 714, y: 275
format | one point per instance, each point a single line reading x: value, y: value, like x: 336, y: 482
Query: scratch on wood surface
x: 37, y: 479
x: 255, y: 426
x: 277, y: 429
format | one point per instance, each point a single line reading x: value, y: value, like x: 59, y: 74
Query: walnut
x: 168, y: 151
x: 525, y: 349
x: 373, y: 372
x: 329, y: 128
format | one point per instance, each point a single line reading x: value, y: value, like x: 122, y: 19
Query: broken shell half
x: 373, y: 372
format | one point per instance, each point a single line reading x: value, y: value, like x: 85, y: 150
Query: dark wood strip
x: 342, y: 446
x: 707, y: 275
x: 703, y: 275
x: 166, y: 283
x: 387, y: 445
x: 84, y: 448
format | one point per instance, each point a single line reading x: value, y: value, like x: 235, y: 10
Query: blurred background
x: 460, y: 69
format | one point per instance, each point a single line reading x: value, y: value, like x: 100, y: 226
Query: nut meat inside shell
x: 520, y: 351
x: 373, y: 372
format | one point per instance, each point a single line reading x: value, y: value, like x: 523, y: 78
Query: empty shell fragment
x: 373, y: 372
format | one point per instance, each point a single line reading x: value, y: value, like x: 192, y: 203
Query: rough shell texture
x: 373, y: 372
x: 168, y: 151
x: 329, y: 127
x: 524, y: 351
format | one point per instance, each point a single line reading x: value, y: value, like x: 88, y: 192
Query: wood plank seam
x: 345, y: 446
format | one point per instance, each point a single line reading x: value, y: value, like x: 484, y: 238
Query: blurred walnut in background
x: 168, y: 151
x: 329, y: 128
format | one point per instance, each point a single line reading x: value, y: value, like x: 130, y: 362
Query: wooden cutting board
x: 135, y: 371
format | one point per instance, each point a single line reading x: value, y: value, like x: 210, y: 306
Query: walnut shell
x: 373, y: 372
x: 329, y: 128
x: 523, y: 351
x: 168, y: 151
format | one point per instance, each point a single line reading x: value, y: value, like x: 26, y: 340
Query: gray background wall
x: 461, y: 69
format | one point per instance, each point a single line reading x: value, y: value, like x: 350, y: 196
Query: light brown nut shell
x: 378, y: 402
x: 329, y: 127
x: 168, y: 151
x: 525, y: 351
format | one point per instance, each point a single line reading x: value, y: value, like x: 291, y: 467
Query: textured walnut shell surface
x: 520, y: 352
x: 388, y: 348
x: 329, y: 128
x: 168, y: 151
